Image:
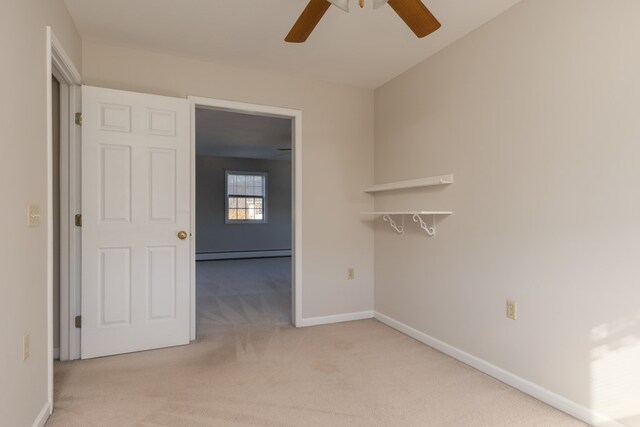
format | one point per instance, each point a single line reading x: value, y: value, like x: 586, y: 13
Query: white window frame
x: 265, y: 218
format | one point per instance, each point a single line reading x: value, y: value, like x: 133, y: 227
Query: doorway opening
x: 244, y: 219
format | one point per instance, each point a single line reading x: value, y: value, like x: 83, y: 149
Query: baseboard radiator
x: 272, y: 253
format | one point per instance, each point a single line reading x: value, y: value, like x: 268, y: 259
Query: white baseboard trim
x: 336, y: 318
x: 43, y: 416
x: 213, y: 256
x: 550, y: 398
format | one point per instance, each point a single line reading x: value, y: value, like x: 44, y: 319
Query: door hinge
x: 78, y: 322
x: 78, y: 220
x: 79, y: 119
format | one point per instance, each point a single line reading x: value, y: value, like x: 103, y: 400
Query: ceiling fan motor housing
x: 344, y: 4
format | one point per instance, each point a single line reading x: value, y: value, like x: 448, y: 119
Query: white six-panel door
x: 135, y: 202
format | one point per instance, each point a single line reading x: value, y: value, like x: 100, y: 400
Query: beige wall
x: 538, y: 116
x: 337, y: 157
x: 23, y: 267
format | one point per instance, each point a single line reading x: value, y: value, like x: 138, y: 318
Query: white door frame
x: 260, y: 110
x: 58, y: 63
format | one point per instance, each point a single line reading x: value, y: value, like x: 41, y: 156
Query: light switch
x: 33, y: 215
x: 25, y: 347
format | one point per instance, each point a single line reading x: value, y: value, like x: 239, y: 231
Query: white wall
x: 337, y: 157
x: 537, y: 114
x: 213, y: 234
x: 23, y: 166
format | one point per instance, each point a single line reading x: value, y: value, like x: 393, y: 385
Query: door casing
x: 59, y: 63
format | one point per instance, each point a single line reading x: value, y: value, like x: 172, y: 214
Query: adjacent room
x: 320, y: 213
x: 243, y: 220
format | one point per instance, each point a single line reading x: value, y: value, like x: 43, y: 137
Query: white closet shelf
x: 412, y: 183
x: 417, y: 217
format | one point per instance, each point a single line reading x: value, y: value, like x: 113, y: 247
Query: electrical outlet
x: 512, y: 310
x: 25, y: 347
x: 351, y: 273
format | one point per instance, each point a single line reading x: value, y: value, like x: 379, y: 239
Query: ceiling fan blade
x: 311, y: 15
x: 416, y: 15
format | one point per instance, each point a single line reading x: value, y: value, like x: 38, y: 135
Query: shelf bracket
x: 393, y: 224
x: 431, y: 231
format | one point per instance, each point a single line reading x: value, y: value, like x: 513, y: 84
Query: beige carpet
x: 249, y: 369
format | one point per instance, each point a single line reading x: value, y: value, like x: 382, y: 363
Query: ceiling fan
x: 413, y: 12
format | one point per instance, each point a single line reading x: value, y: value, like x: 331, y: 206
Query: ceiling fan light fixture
x: 342, y: 4
x: 377, y: 4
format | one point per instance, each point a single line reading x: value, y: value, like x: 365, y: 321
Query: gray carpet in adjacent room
x: 243, y: 292
x: 250, y: 367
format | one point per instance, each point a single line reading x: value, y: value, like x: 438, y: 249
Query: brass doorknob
x: 182, y: 235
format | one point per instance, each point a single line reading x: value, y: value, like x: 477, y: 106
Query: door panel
x: 162, y: 185
x: 114, y: 298
x: 135, y: 192
x: 114, y: 190
x: 162, y: 283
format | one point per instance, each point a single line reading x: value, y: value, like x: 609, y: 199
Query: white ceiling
x: 228, y: 134
x: 364, y: 48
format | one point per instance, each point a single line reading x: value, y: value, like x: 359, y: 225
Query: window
x: 246, y: 197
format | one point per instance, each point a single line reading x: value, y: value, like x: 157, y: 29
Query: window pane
x: 242, y: 214
x: 259, y: 203
x: 233, y: 202
x: 240, y: 185
x: 251, y: 213
x: 261, y: 186
x: 233, y: 214
x: 241, y: 202
x: 231, y: 183
x: 248, y: 185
